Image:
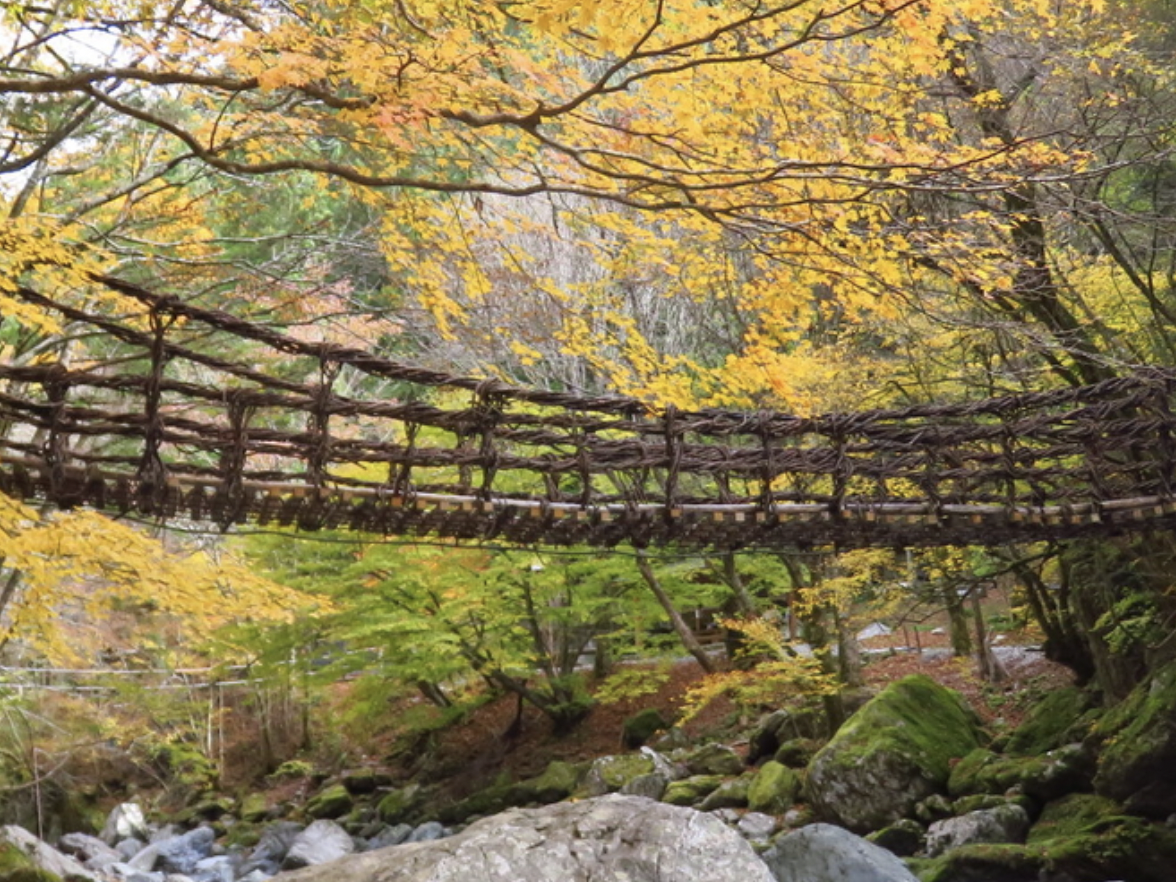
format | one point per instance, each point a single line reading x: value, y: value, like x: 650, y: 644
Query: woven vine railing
x: 172, y: 424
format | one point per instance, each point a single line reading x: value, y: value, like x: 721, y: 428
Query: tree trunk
x: 676, y: 621
x: 960, y: 630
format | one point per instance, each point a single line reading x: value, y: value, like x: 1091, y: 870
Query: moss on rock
x: 608, y: 774
x: 691, y: 791
x: 400, y: 805
x: 558, y: 781
x: 1050, y: 776
x: 774, y: 789
x: 1082, y: 837
x: 1056, y: 719
x: 331, y: 802
x: 642, y: 726
x: 729, y: 794
x: 894, y: 752
x: 714, y: 759
x: 1137, y: 765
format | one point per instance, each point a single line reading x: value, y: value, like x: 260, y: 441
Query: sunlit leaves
x: 73, y: 566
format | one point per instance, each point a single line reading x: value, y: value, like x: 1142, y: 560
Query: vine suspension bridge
x: 170, y: 426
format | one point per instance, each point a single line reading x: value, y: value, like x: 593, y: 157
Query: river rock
x: 272, y: 847
x: 714, y: 759
x: 773, y: 789
x: 608, y: 774
x: 321, y: 842
x: 612, y: 837
x: 176, y: 854
x: 125, y: 821
x: 897, y: 750
x: 90, y: 850
x: 1004, y: 823
x: 825, y: 853
x: 42, y: 855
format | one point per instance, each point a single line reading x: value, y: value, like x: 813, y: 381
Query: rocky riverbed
x: 910, y: 788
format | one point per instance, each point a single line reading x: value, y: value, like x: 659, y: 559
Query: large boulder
x: 894, y: 752
x: 21, y: 851
x: 824, y: 853
x: 609, y: 838
x: 1137, y: 765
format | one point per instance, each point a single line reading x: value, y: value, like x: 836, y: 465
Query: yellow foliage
x: 73, y: 565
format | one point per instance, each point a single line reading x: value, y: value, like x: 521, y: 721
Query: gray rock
x: 611, y: 838
x: 125, y: 821
x: 757, y: 826
x: 215, y: 869
x: 662, y: 766
x: 1004, y: 823
x: 90, y: 850
x: 43, y: 855
x: 276, y: 840
x: 128, y: 848
x: 608, y: 774
x: 178, y: 854
x: 321, y: 842
x: 825, y: 853
x: 256, y: 875
x: 651, y: 786
x: 390, y: 836
x: 715, y: 759
x: 133, y: 875
x: 428, y: 832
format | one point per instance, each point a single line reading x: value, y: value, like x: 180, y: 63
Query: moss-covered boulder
x: 894, y: 752
x: 714, y: 759
x: 782, y: 726
x: 1137, y: 765
x: 331, y: 802
x: 904, y: 837
x: 1080, y: 838
x: 1047, y: 777
x: 15, y: 864
x: 693, y: 790
x: 360, y: 782
x: 558, y: 781
x: 608, y: 774
x: 490, y: 800
x: 774, y: 789
x: 729, y: 794
x: 255, y: 807
x: 643, y: 725
x: 797, y: 753
x: 400, y: 805
x: 1058, y: 718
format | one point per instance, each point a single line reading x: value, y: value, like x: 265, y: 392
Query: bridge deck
x: 171, y: 426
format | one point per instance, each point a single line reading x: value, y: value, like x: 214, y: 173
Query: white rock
x: 125, y: 821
